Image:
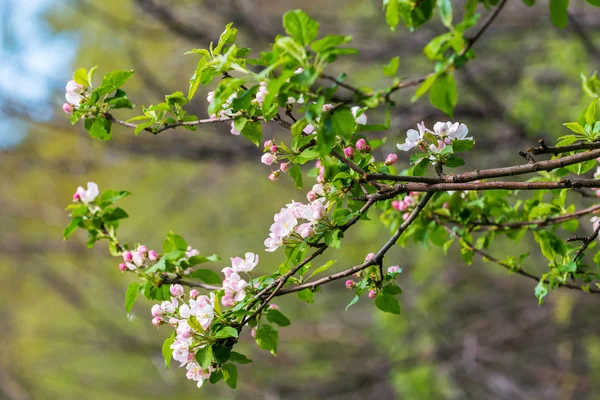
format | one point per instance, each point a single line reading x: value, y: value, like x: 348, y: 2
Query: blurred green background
x: 466, y: 332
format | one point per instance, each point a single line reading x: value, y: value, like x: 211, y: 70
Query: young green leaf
x: 131, y: 295
x: 166, y: 351
x: 266, y: 338
x: 300, y: 26
x: 230, y: 375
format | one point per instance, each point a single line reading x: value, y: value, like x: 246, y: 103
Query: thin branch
x: 543, y: 149
x: 522, y: 169
x: 377, y: 260
x: 519, y: 271
x: 586, y: 242
x: 537, y: 222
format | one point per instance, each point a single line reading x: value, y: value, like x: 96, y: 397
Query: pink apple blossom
x: 268, y: 144
x: 350, y: 284
x: 127, y: 256
x: 361, y: 145
x: 309, y: 129
x: 191, y: 252
x: 268, y: 159
x: 273, y: 176
x: 311, y: 196
x: 152, y: 255
x: 273, y: 149
x: 284, y: 167
x: 157, y: 311
x: 391, y: 159
x: 370, y: 256
x: 246, y: 264
x: 349, y: 152
x: 274, y: 307
x: 157, y: 321
x: 372, y: 294
x: 327, y: 107
x: 123, y: 267
x: 413, y: 137
x: 194, y: 293
x: 177, y: 290
x: 89, y: 195
x: 394, y: 269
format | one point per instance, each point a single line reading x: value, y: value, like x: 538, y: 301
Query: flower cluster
x: 444, y: 132
x: 192, y: 317
x: 297, y: 220
x: 138, y: 258
x: 74, y: 95
x: 359, y: 116
x: 407, y: 203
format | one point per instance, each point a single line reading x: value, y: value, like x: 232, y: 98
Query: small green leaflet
x: 166, y: 351
x: 131, y: 295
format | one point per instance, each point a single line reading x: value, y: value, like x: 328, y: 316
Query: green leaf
x: 204, y: 357
x: 551, y: 245
x: 387, y: 303
x: 101, y: 129
x: 226, y: 332
x: 329, y: 42
x: 425, y: 86
x: 267, y: 337
x: 174, y: 242
x: 445, y: 8
x: 300, y: 26
x: 90, y: 75
x: 166, y: 351
x: 253, y: 132
x: 541, y: 290
x: 114, y: 214
x: 590, y: 114
x: 221, y: 354
x: 341, y: 122
x: 81, y: 76
x: 421, y: 167
x: 296, y: 175
x: 392, y: 67
x: 322, y: 268
x: 72, y: 227
x: 277, y: 318
x: 352, y: 302
x: 227, y: 38
x: 113, y: 80
x: 392, y: 289
x: 392, y: 14
x: 195, y: 260
x: 333, y: 238
x: 595, y: 3
x: 443, y: 94
x: 239, y: 358
x: 215, y: 376
x: 462, y: 145
x: 206, y: 276
x: 306, y: 295
x: 131, y: 295
x: 558, y: 13
x: 230, y: 375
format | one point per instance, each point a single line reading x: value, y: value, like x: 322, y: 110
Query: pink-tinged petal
x: 406, y: 146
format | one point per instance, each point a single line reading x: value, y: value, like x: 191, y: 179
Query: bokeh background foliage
x: 466, y: 332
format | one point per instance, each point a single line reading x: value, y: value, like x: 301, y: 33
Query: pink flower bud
x: 327, y: 107
x: 268, y: 144
x: 320, y: 179
x: 318, y: 164
x: 142, y: 249
x: 394, y: 269
x: 307, y: 232
x: 127, y: 256
x: 253, y: 332
x: 123, y: 267
x: 176, y: 290
x: 391, y: 159
x: 273, y: 149
x: 157, y: 321
x: 76, y: 197
x: 598, y: 193
x: 273, y: 176
x: 372, y: 294
x: 268, y: 159
x: 405, y: 216
x: 361, y: 145
x: 284, y: 167
x: 210, y: 97
x: 194, y: 293
x: 349, y: 152
x: 67, y: 108
x: 396, y: 204
x: 157, y: 310
x: 152, y: 255
x: 274, y: 307
x: 370, y: 256
x: 311, y: 196
x: 350, y: 284
x: 447, y: 141
x: 173, y: 321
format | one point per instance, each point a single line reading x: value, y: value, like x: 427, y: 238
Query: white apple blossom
x: 89, y: 195
x: 413, y: 138
x: 244, y: 265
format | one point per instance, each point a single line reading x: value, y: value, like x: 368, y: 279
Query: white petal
x: 461, y: 131
x: 406, y: 146
x: 92, y: 191
x: 412, y: 136
x: 441, y: 128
